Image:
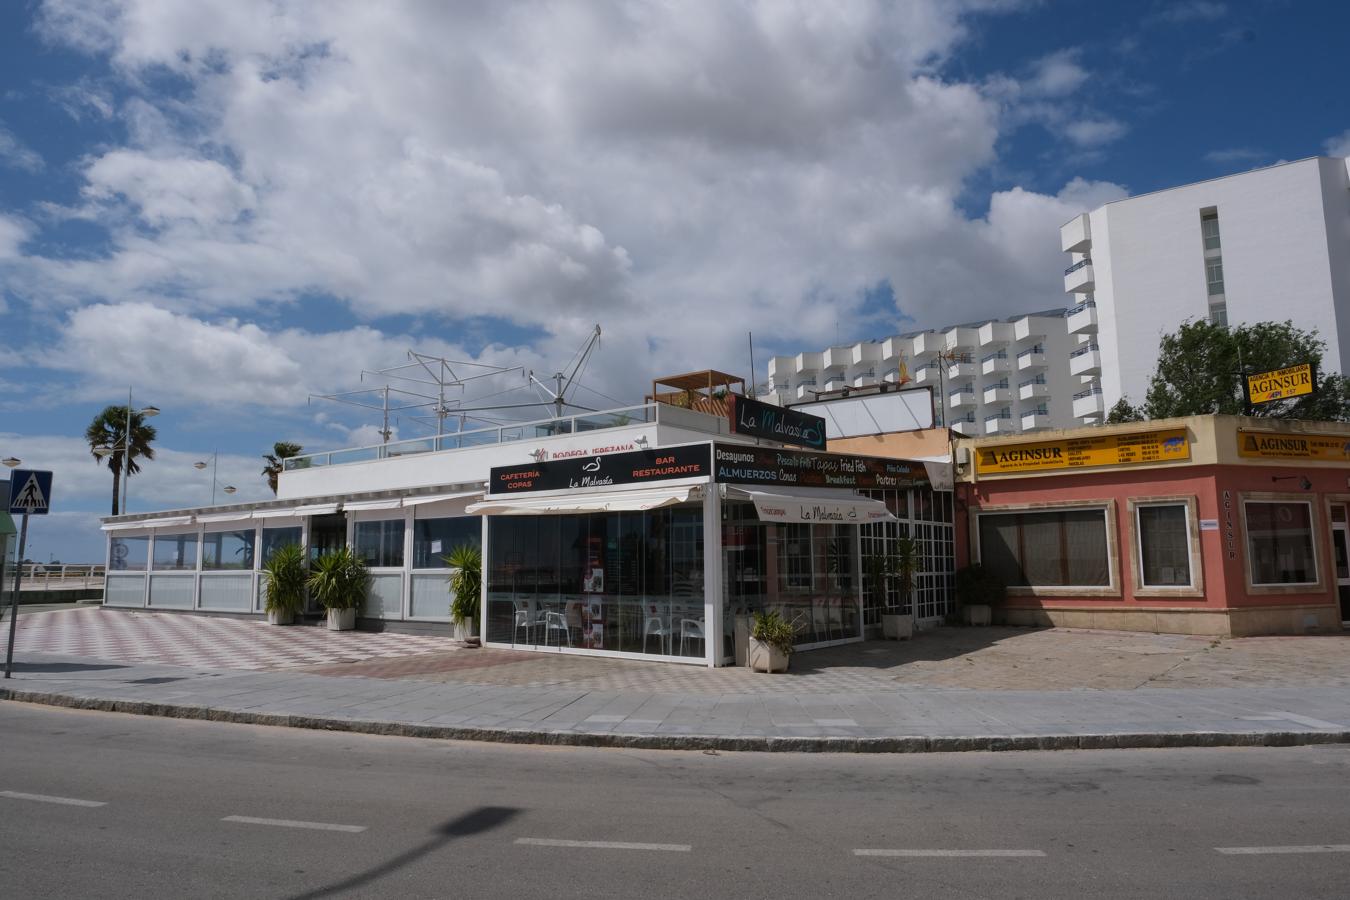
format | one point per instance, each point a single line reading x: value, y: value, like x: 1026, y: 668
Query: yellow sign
x: 1278, y: 445
x: 1104, y: 450
x: 1295, y: 381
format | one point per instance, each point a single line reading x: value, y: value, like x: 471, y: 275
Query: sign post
x: 30, y: 493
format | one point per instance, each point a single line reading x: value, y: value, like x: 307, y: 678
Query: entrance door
x: 1341, y: 544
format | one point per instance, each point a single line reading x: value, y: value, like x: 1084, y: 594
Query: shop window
x: 224, y: 550
x: 1164, y: 545
x: 175, y: 552
x: 1280, y: 542
x: 128, y: 554
x: 1047, y: 548
x: 274, y: 539
x: 380, y: 544
x: 433, y: 539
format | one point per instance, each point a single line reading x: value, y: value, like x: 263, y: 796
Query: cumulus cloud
x: 15, y: 154
x: 1339, y: 145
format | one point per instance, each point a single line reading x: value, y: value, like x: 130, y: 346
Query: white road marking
x: 1279, y: 716
x: 603, y: 845
x: 1266, y: 851
x: 44, y: 798
x: 950, y: 853
x: 291, y: 823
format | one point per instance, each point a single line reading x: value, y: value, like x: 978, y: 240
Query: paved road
x: 190, y: 809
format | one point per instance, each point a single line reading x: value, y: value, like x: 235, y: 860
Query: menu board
x: 1281, y: 445
x: 637, y: 467
x: 1169, y: 445
x: 738, y: 464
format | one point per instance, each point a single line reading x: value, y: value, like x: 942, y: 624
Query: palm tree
x: 108, y: 431
x: 281, y: 451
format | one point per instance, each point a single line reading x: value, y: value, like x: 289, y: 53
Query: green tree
x: 1123, y: 412
x: 108, y: 431
x: 281, y: 451
x: 1199, y: 372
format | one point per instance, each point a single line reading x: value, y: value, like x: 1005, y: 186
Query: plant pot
x: 280, y: 617
x: 466, y: 632
x: 342, y: 619
x: 766, y: 657
x: 897, y: 626
x: 977, y: 614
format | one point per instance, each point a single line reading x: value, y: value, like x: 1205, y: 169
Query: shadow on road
x: 485, y: 818
x: 65, y: 667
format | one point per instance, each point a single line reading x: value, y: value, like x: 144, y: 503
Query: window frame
x: 1315, y: 538
x: 1108, y: 509
x: 1196, y: 588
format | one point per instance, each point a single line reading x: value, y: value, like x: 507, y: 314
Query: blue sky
x: 228, y: 206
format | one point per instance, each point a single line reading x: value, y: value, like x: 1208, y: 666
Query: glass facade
x: 175, y: 552
x: 433, y: 539
x: 275, y: 538
x: 379, y: 544
x: 223, y: 550
x: 926, y: 516
x: 1280, y: 547
x: 626, y: 582
x: 1047, y: 548
x: 128, y: 554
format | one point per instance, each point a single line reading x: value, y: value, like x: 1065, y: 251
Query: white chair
x: 522, y: 622
x: 556, y: 621
x: 691, y: 629
x: 657, y: 626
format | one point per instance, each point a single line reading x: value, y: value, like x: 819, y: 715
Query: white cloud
x: 15, y: 154
x: 1056, y: 75
x: 1094, y: 132
x: 1182, y: 12
x: 1339, y: 145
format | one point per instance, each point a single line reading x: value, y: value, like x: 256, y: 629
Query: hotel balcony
x: 1082, y: 319
x: 997, y: 393
x: 807, y: 390
x: 862, y: 379
x: 995, y: 364
x: 1030, y: 360
x: 1086, y: 361
x: 1075, y: 235
x: 1035, y: 420
x: 1000, y: 423
x: 962, y: 368
x: 961, y: 338
x: 1078, y: 278
x: 1033, y: 390
x: 1088, y: 404
x: 864, y: 353
x: 808, y: 362
x: 925, y: 343
x: 965, y: 427
x: 995, y: 333
x: 928, y: 374
x: 961, y: 398
x: 1027, y: 329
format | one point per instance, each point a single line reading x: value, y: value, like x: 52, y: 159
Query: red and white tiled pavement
x: 208, y: 642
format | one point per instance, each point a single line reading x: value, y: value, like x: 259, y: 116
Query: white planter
x: 280, y: 617
x: 897, y: 627
x: 341, y: 619
x: 977, y: 614
x: 766, y: 657
x: 467, y: 631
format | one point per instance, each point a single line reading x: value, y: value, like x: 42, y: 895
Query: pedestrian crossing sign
x: 30, y: 492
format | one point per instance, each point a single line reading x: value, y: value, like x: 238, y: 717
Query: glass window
x: 1209, y: 227
x: 1049, y: 548
x: 380, y: 544
x: 227, y: 550
x: 433, y: 539
x: 128, y: 554
x: 275, y: 538
x: 1280, y: 542
x: 176, y: 551
x: 1214, y: 275
x: 1164, y: 545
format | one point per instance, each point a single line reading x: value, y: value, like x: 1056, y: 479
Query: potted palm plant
x: 978, y: 590
x: 771, y: 639
x: 902, y: 565
x: 284, y: 595
x: 466, y: 582
x: 340, y: 582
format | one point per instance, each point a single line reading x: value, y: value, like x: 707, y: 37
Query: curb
x: 761, y: 744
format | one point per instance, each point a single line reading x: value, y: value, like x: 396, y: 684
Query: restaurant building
x: 645, y: 532
x: 1219, y: 525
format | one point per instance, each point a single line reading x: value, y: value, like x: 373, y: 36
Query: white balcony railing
x: 1078, y: 278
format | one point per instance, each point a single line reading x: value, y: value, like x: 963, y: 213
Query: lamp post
x: 148, y: 412
x: 199, y: 465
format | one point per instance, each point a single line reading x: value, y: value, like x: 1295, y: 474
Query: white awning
x: 362, y: 505
x: 603, y: 501
x: 437, y: 498
x: 825, y: 505
x: 316, y: 509
x: 283, y: 513
x: 166, y: 522
x: 243, y: 516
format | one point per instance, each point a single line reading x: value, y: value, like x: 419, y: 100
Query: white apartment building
x: 1030, y: 372
x: 1266, y: 245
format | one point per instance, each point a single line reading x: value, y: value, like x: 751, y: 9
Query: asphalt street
x: 109, y: 805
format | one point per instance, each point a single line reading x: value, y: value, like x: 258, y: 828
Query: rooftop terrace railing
x: 482, y: 437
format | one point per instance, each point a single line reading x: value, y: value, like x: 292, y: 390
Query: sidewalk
x: 963, y: 689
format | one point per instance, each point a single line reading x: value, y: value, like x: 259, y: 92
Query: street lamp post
x: 199, y: 465
x: 149, y: 412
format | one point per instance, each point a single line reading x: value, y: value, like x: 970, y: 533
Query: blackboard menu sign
x: 614, y: 469
x: 776, y: 423
x: 737, y: 464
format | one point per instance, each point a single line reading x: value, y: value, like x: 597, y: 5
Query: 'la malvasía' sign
x: 775, y: 423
